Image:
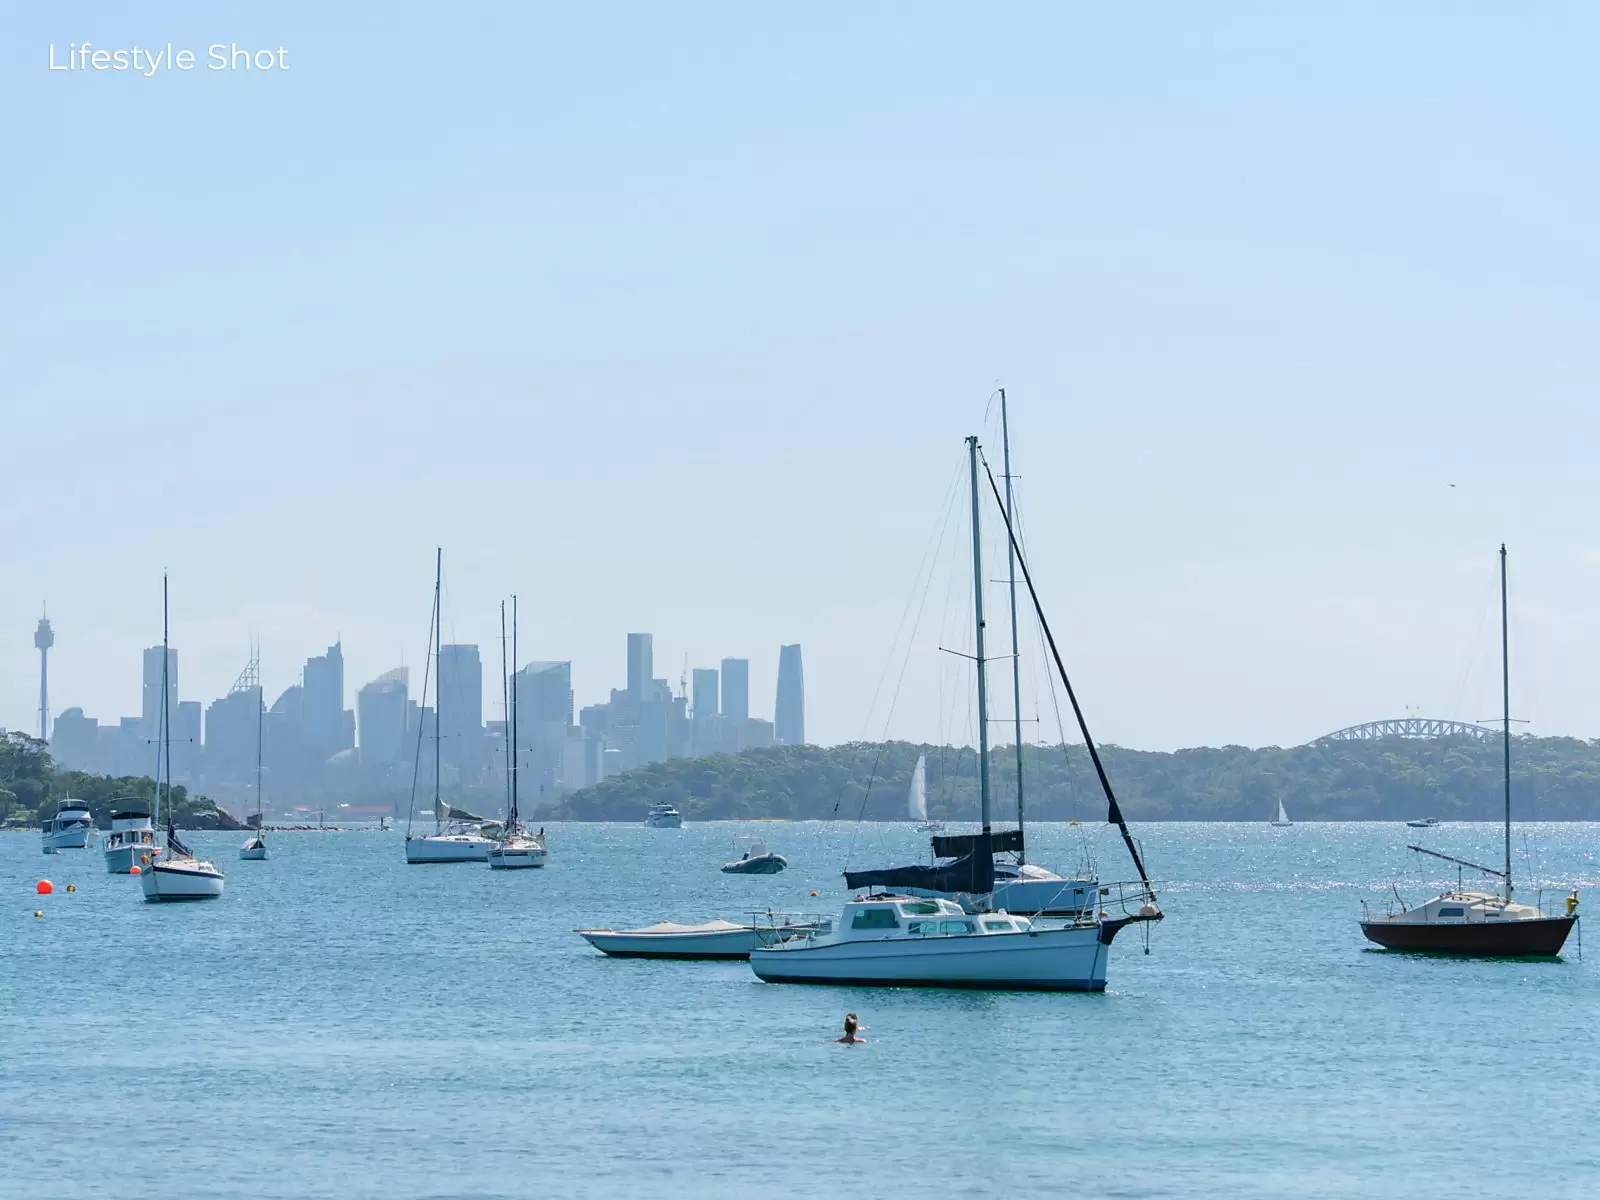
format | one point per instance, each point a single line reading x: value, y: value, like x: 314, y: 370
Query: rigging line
x: 1115, y: 811
x: 422, y: 704
x: 929, y: 559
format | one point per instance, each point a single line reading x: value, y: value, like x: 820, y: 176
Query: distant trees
x: 30, y: 785
x: 1389, y: 779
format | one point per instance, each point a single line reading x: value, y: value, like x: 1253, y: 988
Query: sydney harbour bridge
x: 1409, y: 727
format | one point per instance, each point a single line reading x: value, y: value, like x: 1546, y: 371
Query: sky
x: 673, y: 318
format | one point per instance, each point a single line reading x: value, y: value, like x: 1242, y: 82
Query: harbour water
x: 342, y: 1025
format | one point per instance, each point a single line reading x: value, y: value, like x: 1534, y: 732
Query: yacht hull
x: 251, y: 853
x: 447, y: 849
x: 120, y: 860
x: 180, y: 880
x: 516, y: 858
x: 1072, y: 959
x: 67, y: 839
x: 690, y: 943
x: 1540, y: 938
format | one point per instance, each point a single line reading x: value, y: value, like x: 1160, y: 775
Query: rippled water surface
x: 342, y: 1025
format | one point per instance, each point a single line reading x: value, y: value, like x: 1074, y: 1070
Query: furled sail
x: 919, y: 789
x: 972, y: 873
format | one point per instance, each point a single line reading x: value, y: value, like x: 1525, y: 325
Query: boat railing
x: 772, y: 926
x: 1130, y: 897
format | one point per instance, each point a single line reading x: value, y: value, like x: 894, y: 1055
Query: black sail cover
x: 970, y: 873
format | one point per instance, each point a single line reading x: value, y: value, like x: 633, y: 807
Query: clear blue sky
x: 673, y: 318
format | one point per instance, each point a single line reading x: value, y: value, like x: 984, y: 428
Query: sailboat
x: 1467, y: 921
x: 255, y: 847
x: 176, y: 874
x: 1283, y: 817
x: 515, y: 847
x: 891, y: 939
x: 917, y: 798
x: 456, y: 841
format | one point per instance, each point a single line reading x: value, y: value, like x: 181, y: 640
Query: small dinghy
x: 713, y: 939
x: 756, y: 860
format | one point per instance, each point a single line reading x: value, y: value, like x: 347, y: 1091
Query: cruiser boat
x: 1463, y: 921
x: 663, y: 816
x: 886, y: 938
x: 1423, y: 822
x: 711, y: 940
x: 132, y: 836
x: 178, y: 874
x: 756, y: 860
x: 70, y: 828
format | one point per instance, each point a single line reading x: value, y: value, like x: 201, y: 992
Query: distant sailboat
x: 515, y: 847
x: 255, y: 848
x: 917, y: 799
x: 1283, y: 817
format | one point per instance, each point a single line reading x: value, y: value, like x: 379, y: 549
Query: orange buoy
x: 813, y: 893
x: 133, y: 870
x: 38, y: 912
x: 44, y: 887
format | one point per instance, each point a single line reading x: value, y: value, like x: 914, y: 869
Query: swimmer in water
x: 850, y: 1038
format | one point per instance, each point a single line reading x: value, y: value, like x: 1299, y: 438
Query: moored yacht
x: 255, y: 846
x: 132, y: 836
x: 663, y: 816
x: 70, y: 828
x: 515, y: 848
x: 1021, y: 888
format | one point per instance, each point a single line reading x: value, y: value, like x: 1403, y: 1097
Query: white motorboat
x: 177, y: 874
x: 132, y: 836
x: 1423, y: 822
x: 70, y: 828
x: 663, y: 816
x: 711, y: 940
x: 755, y: 860
x: 1283, y: 821
x: 887, y: 938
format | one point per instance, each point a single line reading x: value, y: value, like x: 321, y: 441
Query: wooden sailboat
x: 454, y: 841
x: 255, y: 848
x: 177, y: 874
x: 515, y: 848
x: 1470, y: 922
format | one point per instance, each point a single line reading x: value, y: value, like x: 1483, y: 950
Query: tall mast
x: 1011, y: 579
x: 505, y: 705
x: 977, y: 609
x: 166, y: 715
x: 438, y: 691
x: 261, y: 708
x: 1505, y: 708
x: 515, y: 750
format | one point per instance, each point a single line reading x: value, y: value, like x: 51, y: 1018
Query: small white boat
x: 454, y: 845
x: 132, y: 836
x: 70, y: 828
x: 713, y: 939
x: 1283, y: 817
x: 1423, y: 822
x: 663, y: 816
x: 255, y: 849
x: 756, y: 860
x: 518, y: 850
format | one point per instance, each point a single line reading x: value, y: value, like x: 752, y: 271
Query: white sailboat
x: 1283, y: 817
x: 891, y: 939
x: 255, y: 847
x: 454, y: 841
x: 177, y: 874
x: 515, y: 848
x: 917, y: 798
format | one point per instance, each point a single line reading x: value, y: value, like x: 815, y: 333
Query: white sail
x: 918, y: 799
x: 1283, y: 817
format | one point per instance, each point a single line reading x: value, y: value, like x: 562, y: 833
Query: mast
x: 505, y: 705
x: 1016, y: 657
x: 1505, y: 708
x: 515, y: 750
x: 977, y: 610
x: 438, y: 691
x: 261, y: 719
x: 166, y: 715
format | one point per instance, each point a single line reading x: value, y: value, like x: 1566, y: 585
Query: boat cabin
x: 891, y: 916
x: 1465, y: 908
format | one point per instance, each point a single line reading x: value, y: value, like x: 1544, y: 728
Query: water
x: 342, y: 1025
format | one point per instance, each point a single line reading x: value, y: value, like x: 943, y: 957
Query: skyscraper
x: 381, y: 714
x: 322, y: 705
x: 544, y: 693
x: 150, y: 708
x: 640, y: 665
x: 789, y: 715
x: 736, y: 689
x: 705, y: 693
x: 460, y: 702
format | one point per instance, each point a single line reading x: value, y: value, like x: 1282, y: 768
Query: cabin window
x: 925, y: 908
x: 955, y: 927
x: 875, y: 918
x: 922, y: 927
x: 1002, y: 926
x: 1452, y: 912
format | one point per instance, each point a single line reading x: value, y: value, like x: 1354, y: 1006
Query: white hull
x: 719, y: 939
x: 120, y: 860
x: 674, y: 821
x: 181, y: 879
x: 448, y: 848
x: 516, y: 858
x: 1071, y: 959
x: 251, y: 852
x: 67, y: 839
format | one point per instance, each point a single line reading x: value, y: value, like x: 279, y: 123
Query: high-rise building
x: 460, y: 700
x: 789, y: 715
x: 640, y: 665
x: 150, y: 709
x: 381, y: 713
x: 185, y: 740
x: 544, y: 693
x: 74, y: 741
x: 704, y: 695
x: 231, y: 732
x: 736, y: 690
x: 322, y: 705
